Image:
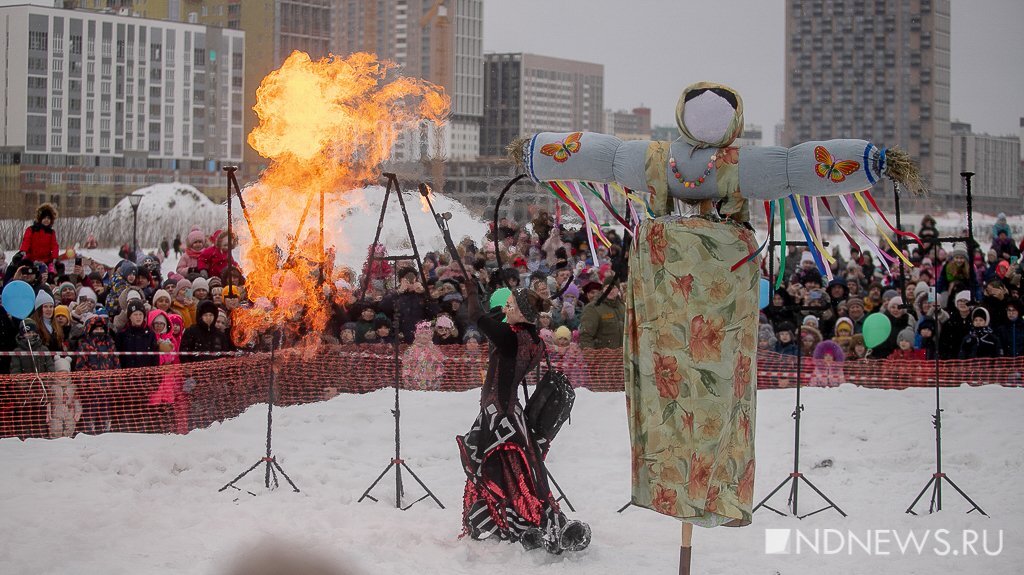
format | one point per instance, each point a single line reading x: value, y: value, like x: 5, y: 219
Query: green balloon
x: 499, y: 297
x: 876, y: 330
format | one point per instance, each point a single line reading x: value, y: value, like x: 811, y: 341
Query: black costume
x: 507, y: 493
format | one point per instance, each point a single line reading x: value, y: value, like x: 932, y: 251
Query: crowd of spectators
x: 952, y: 304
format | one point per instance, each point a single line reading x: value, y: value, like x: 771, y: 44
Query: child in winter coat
x: 137, y: 337
x: 183, y: 304
x: 423, y: 362
x: 194, y: 244
x: 828, y: 364
x: 170, y: 390
x: 785, y: 342
x: 65, y: 408
x: 981, y: 341
x: 1011, y: 334
x: 567, y: 356
x: 214, y: 259
x: 40, y: 241
x: 31, y: 417
x: 905, y: 346
x: 96, y: 393
x: 204, y: 335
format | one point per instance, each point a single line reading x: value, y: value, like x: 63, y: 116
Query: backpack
x: 551, y: 403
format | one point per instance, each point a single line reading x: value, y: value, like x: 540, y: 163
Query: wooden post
x: 684, y: 549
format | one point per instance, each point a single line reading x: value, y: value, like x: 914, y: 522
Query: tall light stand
x: 134, y: 200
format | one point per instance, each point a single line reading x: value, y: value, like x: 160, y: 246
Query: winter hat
x: 472, y: 333
x: 214, y: 282
x: 829, y: 347
x: 43, y: 298
x: 766, y: 333
x: 980, y: 312
x: 205, y: 307
x: 348, y: 326
x: 88, y: 294
x: 785, y: 326
x: 62, y: 364
x: 183, y: 284
x: 161, y: 293
x: 906, y: 334
x: 894, y: 300
x: 889, y: 294
x: 66, y: 285
x: 452, y: 297
x: 194, y: 236
x: 926, y: 323
x: 200, y: 283
x: 964, y: 295
x: 855, y: 301
x: 423, y: 328
x: 857, y: 339
x: 563, y: 332
x: 29, y: 325
x: 136, y: 305
x: 844, y: 326
x: 959, y: 252
x: 811, y: 320
x: 62, y: 310
x: 806, y: 257
x: 921, y: 288
x: 132, y: 295
x: 445, y: 322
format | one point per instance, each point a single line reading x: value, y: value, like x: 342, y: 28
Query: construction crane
x: 437, y: 21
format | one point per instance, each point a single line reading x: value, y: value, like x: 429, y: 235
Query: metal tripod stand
x: 935, y: 482
x: 272, y: 466
x: 397, y: 462
x: 796, y: 476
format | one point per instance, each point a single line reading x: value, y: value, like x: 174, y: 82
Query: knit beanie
x: 62, y: 310
x: 200, y: 283
x: 194, y: 236
x: 563, y: 332
x: 161, y: 293
x: 963, y: 295
x: 215, y: 282
x: 61, y: 364
x: 136, y: 305
x: 980, y: 312
x: 906, y: 334
x: 183, y: 284
x: 43, y: 298
x: 66, y: 285
x: 844, y: 323
x: 88, y: 294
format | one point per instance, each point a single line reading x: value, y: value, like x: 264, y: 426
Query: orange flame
x: 326, y: 126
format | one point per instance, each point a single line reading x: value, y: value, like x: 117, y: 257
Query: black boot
x: 575, y: 536
x: 532, y: 539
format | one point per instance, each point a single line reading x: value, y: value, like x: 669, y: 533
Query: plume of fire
x: 326, y: 126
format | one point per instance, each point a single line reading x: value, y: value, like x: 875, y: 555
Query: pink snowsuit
x: 170, y: 389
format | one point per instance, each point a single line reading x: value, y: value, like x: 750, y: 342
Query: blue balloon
x: 766, y: 290
x: 19, y: 299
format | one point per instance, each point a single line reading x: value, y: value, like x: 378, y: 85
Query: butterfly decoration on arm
x: 561, y: 151
x: 830, y: 169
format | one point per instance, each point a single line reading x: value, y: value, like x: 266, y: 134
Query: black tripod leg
x: 770, y: 495
x: 965, y: 496
x: 561, y: 494
x: 423, y: 485
x: 624, y: 507
x: 240, y: 475
x: 910, y: 509
x: 285, y: 475
x: 375, y: 482
x: 273, y: 474
x: 822, y: 495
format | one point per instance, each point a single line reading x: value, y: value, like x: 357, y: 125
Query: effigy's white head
x: 710, y: 115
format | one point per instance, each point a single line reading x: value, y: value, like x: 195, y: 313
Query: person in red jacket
x: 40, y: 241
x: 214, y: 259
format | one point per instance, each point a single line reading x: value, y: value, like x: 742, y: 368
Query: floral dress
x: 690, y: 362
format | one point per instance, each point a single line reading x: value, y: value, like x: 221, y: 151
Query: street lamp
x: 135, y: 200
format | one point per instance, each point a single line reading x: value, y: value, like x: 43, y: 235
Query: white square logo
x: 777, y: 541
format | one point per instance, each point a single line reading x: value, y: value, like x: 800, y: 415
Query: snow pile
x: 128, y: 503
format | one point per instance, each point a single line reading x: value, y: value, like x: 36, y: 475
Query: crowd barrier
x: 177, y: 398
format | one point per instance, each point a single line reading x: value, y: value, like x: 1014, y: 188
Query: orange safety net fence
x: 177, y: 398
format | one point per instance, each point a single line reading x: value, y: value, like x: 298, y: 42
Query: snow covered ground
x: 132, y: 504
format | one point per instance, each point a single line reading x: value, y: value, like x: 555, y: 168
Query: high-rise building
x: 873, y: 70
x: 751, y: 136
x: 107, y: 103
x: 280, y: 27
x: 633, y: 125
x: 995, y: 161
x: 527, y: 93
x: 438, y: 40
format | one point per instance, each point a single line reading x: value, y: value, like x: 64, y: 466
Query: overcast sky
x: 652, y: 49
